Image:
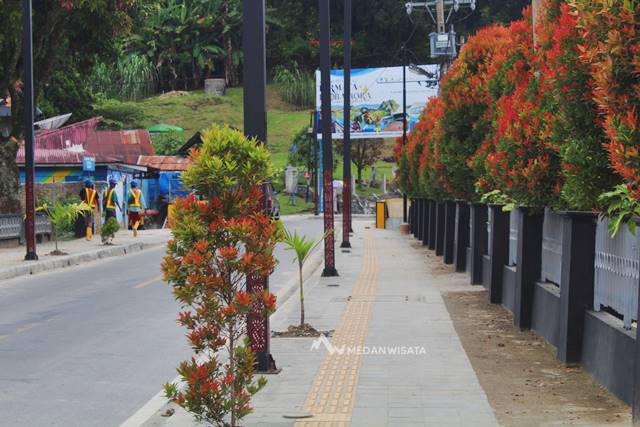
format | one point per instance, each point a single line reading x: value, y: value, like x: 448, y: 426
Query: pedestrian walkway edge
x: 34, y: 267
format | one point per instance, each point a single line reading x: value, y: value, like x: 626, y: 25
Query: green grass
x: 196, y: 111
x: 299, y: 207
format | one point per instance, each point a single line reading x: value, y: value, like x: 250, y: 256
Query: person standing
x: 88, y: 195
x: 110, y: 200
x: 136, y: 207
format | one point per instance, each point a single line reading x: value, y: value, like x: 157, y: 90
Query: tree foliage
x: 364, y: 153
x: 67, y: 35
x: 220, y: 242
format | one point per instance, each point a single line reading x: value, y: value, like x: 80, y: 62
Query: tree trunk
x: 9, y: 184
x: 301, y: 298
x: 232, y: 366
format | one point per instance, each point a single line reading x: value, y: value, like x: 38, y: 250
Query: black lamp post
x: 255, y: 125
x: 327, y: 146
x: 346, y: 152
x: 404, y: 120
x: 29, y: 107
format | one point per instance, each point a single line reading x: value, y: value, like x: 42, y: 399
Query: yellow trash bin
x: 381, y: 214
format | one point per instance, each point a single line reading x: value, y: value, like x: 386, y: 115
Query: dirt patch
x: 305, y: 330
x: 518, y: 370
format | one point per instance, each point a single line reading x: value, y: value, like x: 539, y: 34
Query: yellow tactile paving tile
x: 333, y: 393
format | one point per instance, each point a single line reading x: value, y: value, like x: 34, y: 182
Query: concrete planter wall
x: 543, y: 266
x: 449, y: 231
x: 498, y: 255
x: 440, y: 222
x: 426, y: 215
x: 433, y: 205
x: 461, y: 239
x: 477, y: 241
x: 528, y: 262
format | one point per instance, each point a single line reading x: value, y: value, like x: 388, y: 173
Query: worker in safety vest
x: 110, y: 200
x: 136, y: 207
x: 89, y: 196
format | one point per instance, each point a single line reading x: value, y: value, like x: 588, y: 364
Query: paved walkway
x: 393, y: 360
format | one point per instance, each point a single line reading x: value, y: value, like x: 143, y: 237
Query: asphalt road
x: 90, y: 345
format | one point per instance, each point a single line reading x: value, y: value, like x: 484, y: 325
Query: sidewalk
x: 386, y: 300
x: 79, y: 251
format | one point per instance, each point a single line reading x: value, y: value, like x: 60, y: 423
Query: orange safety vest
x: 90, y: 197
x: 110, y: 204
x: 136, y: 194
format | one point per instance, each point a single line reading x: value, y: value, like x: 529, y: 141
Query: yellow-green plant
x: 63, y: 215
x: 303, y: 247
x: 109, y: 230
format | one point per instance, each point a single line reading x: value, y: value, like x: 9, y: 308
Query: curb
x: 158, y: 402
x: 72, y: 260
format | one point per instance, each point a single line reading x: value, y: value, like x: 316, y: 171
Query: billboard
x: 376, y: 99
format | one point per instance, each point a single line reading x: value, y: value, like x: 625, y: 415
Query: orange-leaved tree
x: 610, y: 34
x: 221, y: 238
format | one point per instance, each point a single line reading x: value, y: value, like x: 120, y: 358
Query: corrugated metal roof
x: 126, y: 145
x: 69, y: 144
x: 165, y: 163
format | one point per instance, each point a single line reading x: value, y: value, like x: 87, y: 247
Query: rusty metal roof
x: 165, y: 163
x: 125, y: 145
x: 69, y: 144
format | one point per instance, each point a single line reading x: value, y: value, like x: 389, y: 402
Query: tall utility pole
x: 255, y: 126
x: 440, y: 16
x: 346, y: 152
x: 29, y: 107
x: 327, y: 149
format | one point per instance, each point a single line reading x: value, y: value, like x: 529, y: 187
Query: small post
x: 439, y: 229
x: 420, y: 206
x: 499, y: 251
x: 449, y: 231
x: 425, y: 215
x: 576, y: 282
x: 529, y: 261
x: 461, y: 236
x: 478, y: 236
x: 433, y: 214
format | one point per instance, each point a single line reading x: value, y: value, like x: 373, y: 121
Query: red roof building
x: 69, y: 144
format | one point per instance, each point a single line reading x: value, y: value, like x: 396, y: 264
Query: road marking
x: 148, y: 282
x: 332, y: 396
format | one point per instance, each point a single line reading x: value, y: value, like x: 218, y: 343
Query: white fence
x: 617, y: 270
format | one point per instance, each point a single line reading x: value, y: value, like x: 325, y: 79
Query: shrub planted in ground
x: 221, y: 239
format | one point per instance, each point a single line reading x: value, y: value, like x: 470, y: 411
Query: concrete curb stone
x: 75, y: 259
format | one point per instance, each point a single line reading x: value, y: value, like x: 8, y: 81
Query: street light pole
x: 255, y: 126
x: 404, y: 120
x: 327, y: 149
x: 29, y: 108
x: 346, y: 152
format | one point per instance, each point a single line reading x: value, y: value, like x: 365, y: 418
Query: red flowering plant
x: 431, y: 170
x: 575, y: 133
x: 516, y: 157
x: 466, y: 115
x: 610, y: 47
x: 221, y: 237
x: 408, y: 161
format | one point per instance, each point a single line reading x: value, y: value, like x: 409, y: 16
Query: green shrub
x: 109, y: 230
x: 118, y: 115
x: 297, y: 87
